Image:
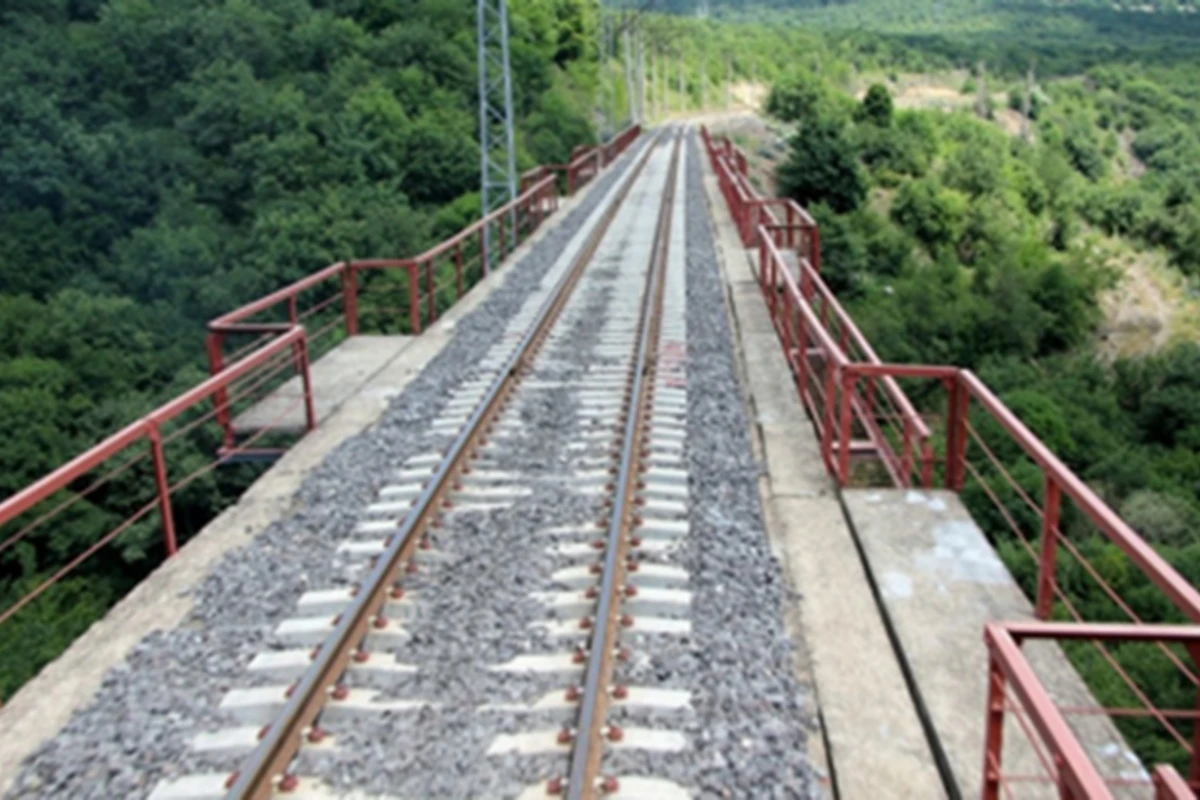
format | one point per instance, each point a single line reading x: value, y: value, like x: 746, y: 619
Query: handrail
x: 1185, y: 596
x: 537, y: 200
x: 1008, y: 667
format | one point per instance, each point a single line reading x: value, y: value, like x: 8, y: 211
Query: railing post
x: 302, y: 366
x: 215, y: 343
x: 430, y: 294
x: 1049, y: 548
x: 956, y: 432
x: 293, y: 316
x: 802, y: 357
x: 503, y: 240
x: 350, y: 298
x: 849, y: 381
x: 906, y: 451
x: 458, y: 270
x: 814, y: 248
x: 483, y: 253
x: 414, y: 298
x: 163, y: 488
x: 993, y: 744
x: 827, y: 417
x: 1194, y: 762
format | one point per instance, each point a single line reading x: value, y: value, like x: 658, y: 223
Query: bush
x: 932, y: 214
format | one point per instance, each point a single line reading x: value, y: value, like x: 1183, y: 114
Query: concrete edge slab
x: 44, y: 705
x: 873, y: 743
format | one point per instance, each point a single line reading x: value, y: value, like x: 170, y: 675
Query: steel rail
x: 589, y: 735
x: 266, y: 768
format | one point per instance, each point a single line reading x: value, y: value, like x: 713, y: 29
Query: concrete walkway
x: 336, y: 377
x: 940, y: 581
x: 876, y: 747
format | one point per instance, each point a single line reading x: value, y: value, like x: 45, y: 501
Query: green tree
x: 822, y: 167
x: 876, y: 107
x: 929, y: 212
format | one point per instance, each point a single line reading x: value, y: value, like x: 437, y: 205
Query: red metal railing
x: 819, y: 338
x: 1058, y: 735
x: 414, y: 289
x: 1063, y: 536
x: 90, y: 487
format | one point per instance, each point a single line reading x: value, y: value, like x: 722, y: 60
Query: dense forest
x: 954, y: 240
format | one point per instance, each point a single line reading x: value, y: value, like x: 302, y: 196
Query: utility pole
x: 682, y: 91
x: 1027, y: 103
x: 497, y: 161
x: 639, y: 39
x: 981, y: 96
x: 728, y: 82
x: 630, y: 100
x: 664, y: 66
x: 702, y: 13
x: 602, y: 32
x: 652, y: 98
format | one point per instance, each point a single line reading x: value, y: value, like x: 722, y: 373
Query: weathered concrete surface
x: 336, y: 377
x: 940, y: 581
x: 44, y: 705
x: 875, y: 744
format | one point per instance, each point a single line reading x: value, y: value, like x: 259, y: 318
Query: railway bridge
x: 627, y: 506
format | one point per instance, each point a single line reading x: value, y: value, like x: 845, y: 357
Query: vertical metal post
x: 827, y: 417
x: 604, y: 103
x: 682, y: 95
x: 163, y: 488
x: 458, y: 268
x: 849, y: 382
x: 1049, y: 548
x: 497, y: 148
x: 653, y: 100
x: 350, y: 298
x: 215, y: 344
x: 1194, y: 762
x: 728, y: 83
x: 630, y: 90
x: 302, y: 366
x: 414, y: 297
x: 993, y: 743
x: 430, y: 294
x: 954, y: 432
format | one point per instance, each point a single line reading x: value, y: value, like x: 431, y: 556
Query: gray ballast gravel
x: 751, y: 718
x: 139, y: 728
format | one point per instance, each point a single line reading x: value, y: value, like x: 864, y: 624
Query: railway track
x: 607, y: 337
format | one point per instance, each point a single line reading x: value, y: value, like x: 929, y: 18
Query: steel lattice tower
x: 497, y: 160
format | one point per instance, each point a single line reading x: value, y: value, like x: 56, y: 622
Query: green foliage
x: 982, y: 261
x: 932, y: 214
x: 876, y: 107
x: 822, y: 167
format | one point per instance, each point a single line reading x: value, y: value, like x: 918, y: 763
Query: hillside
x: 953, y: 239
